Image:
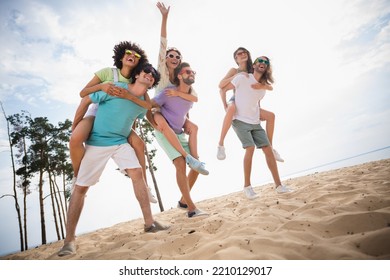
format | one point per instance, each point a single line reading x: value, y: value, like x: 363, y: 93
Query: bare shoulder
x: 231, y: 72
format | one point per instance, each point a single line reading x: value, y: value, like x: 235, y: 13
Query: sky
x: 331, y: 64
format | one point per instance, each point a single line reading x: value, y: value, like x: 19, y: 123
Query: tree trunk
x: 15, y: 196
x: 25, y: 217
x: 25, y: 201
x: 52, y: 198
x: 41, y: 206
x: 64, y: 192
x: 59, y: 206
x: 152, y: 171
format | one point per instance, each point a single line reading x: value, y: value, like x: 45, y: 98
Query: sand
x: 333, y: 215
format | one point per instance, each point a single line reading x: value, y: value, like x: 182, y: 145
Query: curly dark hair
x: 249, y: 63
x: 119, y: 52
x: 148, y: 68
x: 178, y: 69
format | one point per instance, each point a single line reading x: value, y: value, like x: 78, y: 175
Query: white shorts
x: 96, y: 158
x: 92, y: 109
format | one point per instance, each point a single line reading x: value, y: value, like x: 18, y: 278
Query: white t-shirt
x: 247, y: 99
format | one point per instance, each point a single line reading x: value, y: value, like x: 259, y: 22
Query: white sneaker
x: 196, y: 213
x: 277, y: 156
x: 152, y: 198
x: 221, y: 155
x: 250, y: 193
x: 283, y: 189
x: 196, y: 165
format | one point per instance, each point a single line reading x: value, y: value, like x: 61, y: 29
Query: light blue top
x: 114, y: 119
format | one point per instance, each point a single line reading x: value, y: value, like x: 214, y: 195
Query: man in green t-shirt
x: 108, y: 139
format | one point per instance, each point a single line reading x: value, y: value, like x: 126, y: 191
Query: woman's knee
x: 81, y: 132
x: 271, y: 116
x: 267, y: 116
x: 77, y: 138
x: 135, y: 141
x: 190, y: 127
x: 161, y: 122
x: 231, y: 109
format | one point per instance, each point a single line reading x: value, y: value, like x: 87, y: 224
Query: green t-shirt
x: 106, y: 75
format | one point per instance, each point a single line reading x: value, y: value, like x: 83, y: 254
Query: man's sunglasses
x: 151, y: 70
x: 260, y: 60
x: 188, y: 72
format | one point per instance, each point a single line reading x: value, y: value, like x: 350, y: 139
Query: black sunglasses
x: 149, y: 70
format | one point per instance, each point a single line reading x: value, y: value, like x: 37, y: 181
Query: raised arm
x: 81, y: 110
x: 164, y: 13
x: 228, y: 78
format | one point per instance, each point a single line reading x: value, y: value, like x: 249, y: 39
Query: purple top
x: 174, y: 109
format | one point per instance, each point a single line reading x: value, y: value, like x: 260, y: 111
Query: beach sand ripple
x: 338, y: 214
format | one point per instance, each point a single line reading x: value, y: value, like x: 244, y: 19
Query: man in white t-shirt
x: 246, y: 123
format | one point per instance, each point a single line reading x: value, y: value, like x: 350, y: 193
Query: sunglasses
x: 188, y: 72
x: 151, y: 70
x: 137, y: 55
x: 178, y: 57
x: 241, y: 53
x: 260, y: 60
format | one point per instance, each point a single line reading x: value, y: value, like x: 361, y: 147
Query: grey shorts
x: 250, y: 134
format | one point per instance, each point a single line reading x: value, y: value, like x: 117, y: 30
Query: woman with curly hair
x: 128, y: 59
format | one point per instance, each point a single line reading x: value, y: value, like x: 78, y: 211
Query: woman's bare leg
x: 167, y: 131
x: 171, y: 136
x: 76, y: 143
x: 227, y: 122
x: 192, y: 130
x: 269, y: 118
